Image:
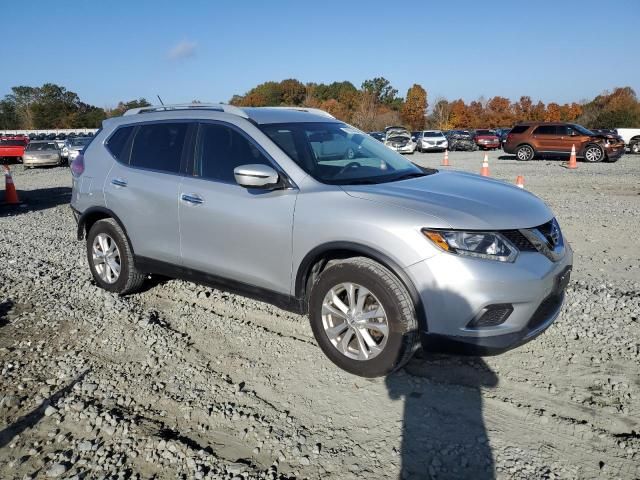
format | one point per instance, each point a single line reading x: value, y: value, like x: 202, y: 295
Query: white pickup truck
x: 631, y: 137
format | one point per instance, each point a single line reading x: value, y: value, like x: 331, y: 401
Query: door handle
x: 119, y: 182
x: 191, y: 198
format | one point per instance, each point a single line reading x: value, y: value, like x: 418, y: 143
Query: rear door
x: 546, y: 138
x: 227, y: 230
x: 142, y: 187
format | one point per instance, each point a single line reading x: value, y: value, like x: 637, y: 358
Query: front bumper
x: 410, y: 148
x: 615, y: 151
x: 455, y: 290
x: 428, y: 146
x: 488, y: 145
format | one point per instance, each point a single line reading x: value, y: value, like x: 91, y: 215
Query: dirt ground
x: 183, y: 381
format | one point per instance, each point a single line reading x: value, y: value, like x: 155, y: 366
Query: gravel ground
x: 182, y: 381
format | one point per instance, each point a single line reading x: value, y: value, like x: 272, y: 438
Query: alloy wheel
x: 355, y: 321
x: 106, y: 258
x: 593, y: 154
x: 525, y: 153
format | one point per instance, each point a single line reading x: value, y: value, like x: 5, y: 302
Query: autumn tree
x: 414, y: 108
x: 553, y: 113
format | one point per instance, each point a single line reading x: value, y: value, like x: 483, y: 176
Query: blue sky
x: 209, y: 50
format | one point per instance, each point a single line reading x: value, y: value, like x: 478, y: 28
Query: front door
x: 229, y: 231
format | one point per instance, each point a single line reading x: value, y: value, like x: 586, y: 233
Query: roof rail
x: 217, y: 107
x: 317, y: 111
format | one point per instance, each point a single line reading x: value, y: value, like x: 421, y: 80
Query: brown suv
x: 527, y: 140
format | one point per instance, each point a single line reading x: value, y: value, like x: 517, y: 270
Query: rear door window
x: 545, y: 130
x: 159, y: 146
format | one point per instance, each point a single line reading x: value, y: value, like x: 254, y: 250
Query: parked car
x: 461, y: 140
x: 12, y: 147
x: 527, y: 140
x: 502, y: 135
x: 431, y: 140
x: 40, y: 153
x: 631, y: 138
x: 379, y: 252
x: 73, y: 146
x: 399, y: 139
x: 486, y: 139
x: 378, y: 136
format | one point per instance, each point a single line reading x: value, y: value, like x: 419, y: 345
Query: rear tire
x: 634, y: 146
x: 525, y: 153
x: 371, y: 346
x: 108, y: 251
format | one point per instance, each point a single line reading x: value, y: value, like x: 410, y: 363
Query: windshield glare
x: 38, y: 147
x: 79, y: 141
x: 336, y: 153
x: 582, y: 130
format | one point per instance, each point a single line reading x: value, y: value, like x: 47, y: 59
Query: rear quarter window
x: 117, y: 143
x: 519, y: 129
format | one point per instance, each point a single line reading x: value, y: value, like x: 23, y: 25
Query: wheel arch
x: 91, y: 215
x: 317, y: 259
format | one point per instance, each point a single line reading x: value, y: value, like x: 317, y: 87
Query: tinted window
x: 117, y: 143
x: 519, y: 129
x: 545, y: 130
x: 221, y: 149
x: 159, y: 146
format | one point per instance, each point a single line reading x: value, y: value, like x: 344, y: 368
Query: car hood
x: 461, y: 201
x: 75, y: 147
x: 41, y: 153
x: 433, y: 139
x: 486, y: 137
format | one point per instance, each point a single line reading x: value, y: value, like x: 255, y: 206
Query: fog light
x: 491, y: 316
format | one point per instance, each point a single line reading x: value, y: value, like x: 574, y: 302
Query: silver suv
x: 298, y: 209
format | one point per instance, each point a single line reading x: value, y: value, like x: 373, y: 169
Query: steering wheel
x: 347, y: 167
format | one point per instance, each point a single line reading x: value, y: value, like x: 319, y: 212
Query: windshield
x: 79, y: 141
x: 484, y: 132
x: 433, y: 134
x: 38, y: 147
x: 13, y: 143
x: 339, y: 154
x: 582, y: 130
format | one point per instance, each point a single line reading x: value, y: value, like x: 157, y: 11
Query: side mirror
x: 256, y: 176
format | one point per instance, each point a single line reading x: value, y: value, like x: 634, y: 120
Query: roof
x: 261, y: 115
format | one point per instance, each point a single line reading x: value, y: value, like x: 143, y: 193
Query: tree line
x: 52, y: 106
x: 376, y: 104
x: 373, y: 106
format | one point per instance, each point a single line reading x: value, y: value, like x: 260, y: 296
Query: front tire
x: 525, y: 153
x: 593, y: 154
x: 634, y: 147
x: 363, y: 318
x: 111, y: 258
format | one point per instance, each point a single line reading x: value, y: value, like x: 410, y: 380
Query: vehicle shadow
x: 443, y: 432
x: 5, y: 307
x: 32, y: 418
x: 34, y: 200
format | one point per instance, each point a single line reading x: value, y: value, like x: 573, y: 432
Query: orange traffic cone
x: 520, y: 181
x: 445, y: 160
x: 10, y: 194
x: 572, y: 159
x: 485, y: 166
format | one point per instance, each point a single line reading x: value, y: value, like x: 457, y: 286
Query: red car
x: 486, y: 139
x: 13, y: 146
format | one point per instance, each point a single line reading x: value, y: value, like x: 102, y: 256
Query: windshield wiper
x: 406, y: 176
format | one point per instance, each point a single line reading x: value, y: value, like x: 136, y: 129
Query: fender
x: 304, y: 269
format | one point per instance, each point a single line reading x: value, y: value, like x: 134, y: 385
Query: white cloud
x: 183, y: 49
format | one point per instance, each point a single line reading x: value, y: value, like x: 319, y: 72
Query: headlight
x: 487, y: 245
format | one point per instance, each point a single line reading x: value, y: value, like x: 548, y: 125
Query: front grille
x: 545, y: 310
x: 519, y: 241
